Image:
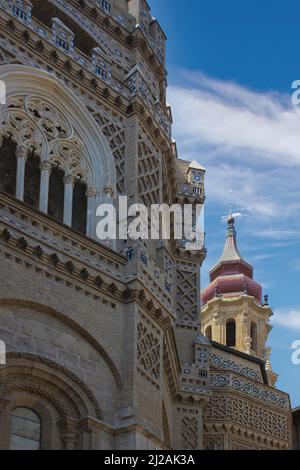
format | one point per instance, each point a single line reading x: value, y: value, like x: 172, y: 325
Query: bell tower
x: 233, y: 312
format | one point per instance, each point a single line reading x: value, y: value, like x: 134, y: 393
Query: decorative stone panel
x: 248, y: 414
x: 227, y: 364
x: 114, y: 131
x: 149, y: 351
x: 187, y: 289
x: 189, y: 433
x: 261, y: 392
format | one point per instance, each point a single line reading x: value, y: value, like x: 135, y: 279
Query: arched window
x: 253, y: 335
x: 208, y: 333
x: 231, y: 334
x: 32, y: 181
x: 79, y: 210
x: 8, y: 167
x: 25, y: 430
x: 56, y: 194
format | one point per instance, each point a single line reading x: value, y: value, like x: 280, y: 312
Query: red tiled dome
x: 228, y: 286
x: 232, y: 275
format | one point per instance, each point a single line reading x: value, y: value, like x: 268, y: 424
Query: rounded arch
x: 231, y: 333
x: 209, y: 333
x: 43, y: 377
x: 28, y: 81
x: 50, y: 417
x: 57, y: 309
x: 60, y: 398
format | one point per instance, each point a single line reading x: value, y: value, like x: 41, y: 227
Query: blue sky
x: 231, y: 65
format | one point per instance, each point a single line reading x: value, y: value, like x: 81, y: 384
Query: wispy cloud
x: 248, y: 141
x: 235, y: 118
x: 288, y: 319
x: 276, y: 234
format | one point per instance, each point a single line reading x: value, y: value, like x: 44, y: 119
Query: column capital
x: 91, y: 192
x: 22, y: 152
x: 109, y: 191
x: 70, y: 179
x: 68, y: 428
x: 45, y: 166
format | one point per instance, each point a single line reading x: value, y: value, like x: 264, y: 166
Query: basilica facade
x: 104, y: 343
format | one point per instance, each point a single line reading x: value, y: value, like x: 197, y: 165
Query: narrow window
x: 101, y: 71
x: 56, y: 194
x: 79, y: 211
x: 8, y: 167
x: 19, y: 12
x: 231, y: 334
x: 62, y: 43
x: 32, y: 181
x: 106, y: 6
x: 208, y: 333
x: 253, y: 335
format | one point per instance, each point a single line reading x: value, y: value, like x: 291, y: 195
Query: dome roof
x: 232, y: 275
x: 230, y: 286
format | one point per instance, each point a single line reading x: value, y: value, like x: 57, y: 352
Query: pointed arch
x: 97, y: 156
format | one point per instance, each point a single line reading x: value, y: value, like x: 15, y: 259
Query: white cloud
x: 248, y: 141
x: 233, y: 118
x: 287, y: 319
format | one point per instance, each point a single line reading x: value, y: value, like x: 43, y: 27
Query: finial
x: 231, y: 218
x: 231, y: 221
x: 266, y: 301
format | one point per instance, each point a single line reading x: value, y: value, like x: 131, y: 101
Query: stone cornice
x: 107, y: 281
x: 239, y: 300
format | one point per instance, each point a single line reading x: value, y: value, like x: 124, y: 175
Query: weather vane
x: 231, y: 206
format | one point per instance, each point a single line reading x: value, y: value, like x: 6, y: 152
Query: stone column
x: 91, y: 211
x: 69, y: 181
x: 89, y: 434
x: 68, y: 431
x: 247, y: 345
x: 45, y: 168
x: 109, y: 196
x: 21, y: 155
